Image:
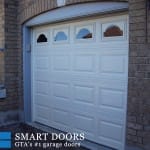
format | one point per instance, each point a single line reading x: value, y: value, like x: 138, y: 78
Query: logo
x: 5, y: 140
x: 68, y: 136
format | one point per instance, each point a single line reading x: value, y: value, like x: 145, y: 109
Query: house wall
x: 10, y: 58
x: 138, y: 118
x: 1, y: 41
x: 138, y: 126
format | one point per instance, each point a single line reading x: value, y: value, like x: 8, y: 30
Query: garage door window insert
x: 84, y: 32
x: 41, y: 38
x: 61, y: 35
x: 113, y: 30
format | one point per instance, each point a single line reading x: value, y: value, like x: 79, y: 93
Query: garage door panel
x: 84, y: 94
x: 106, y: 114
x: 42, y: 100
x: 83, y: 108
x: 41, y: 63
x: 42, y: 75
x: 98, y: 49
x: 111, y: 115
x: 74, y: 78
x: 63, y: 76
x: 112, y: 64
x: 81, y: 85
x: 84, y: 63
x: 86, y: 123
x: 83, y: 77
x: 83, y: 123
x: 99, y: 44
x: 112, y: 98
x: 60, y: 116
x: 119, y: 85
x: 59, y: 99
x: 60, y: 89
x: 41, y: 87
x: 61, y: 63
x: 59, y: 102
x: 115, y: 45
x: 97, y: 80
x: 41, y: 51
x: 114, y: 76
x: 42, y: 111
x: 111, y: 143
x: 110, y: 131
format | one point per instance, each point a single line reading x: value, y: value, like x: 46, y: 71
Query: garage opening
x: 79, y: 75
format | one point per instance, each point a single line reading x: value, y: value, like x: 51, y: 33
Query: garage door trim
x: 77, y: 11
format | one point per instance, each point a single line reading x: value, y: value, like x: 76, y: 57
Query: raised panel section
x: 61, y: 63
x: 42, y: 87
x: 111, y: 98
x: 42, y: 112
x: 84, y: 93
x: 112, y: 115
x: 85, y: 123
x: 112, y: 64
x: 41, y: 75
x: 61, y: 90
x: 42, y: 100
x: 113, y: 84
x: 41, y: 63
x: 84, y: 63
x: 110, y: 131
x: 61, y: 116
x: 41, y: 51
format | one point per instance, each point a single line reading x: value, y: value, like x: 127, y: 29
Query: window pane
x: 42, y: 38
x: 113, y: 31
x: 84, y: 34
x: 60, y: 36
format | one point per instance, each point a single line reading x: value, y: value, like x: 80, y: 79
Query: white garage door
x: 79, y: 77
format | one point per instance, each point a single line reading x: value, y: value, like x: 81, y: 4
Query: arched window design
x: 113, y: 30
x: 41, y: 38
x: 84, y: 34
x: 60, y: 36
